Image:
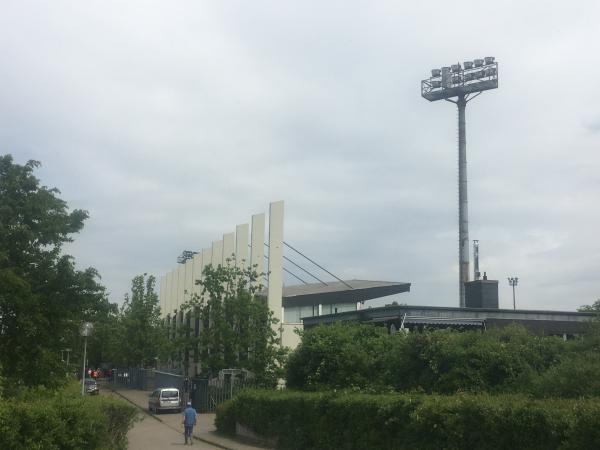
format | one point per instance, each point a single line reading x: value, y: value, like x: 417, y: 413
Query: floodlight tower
x: 465, y: 83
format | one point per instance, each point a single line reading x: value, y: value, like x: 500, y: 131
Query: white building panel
x: 257, y: 250
x: 189, y: 279
x: 217, y: 253
x: 276, y: 259
x: 206, y: 257
x: 173, y: 292
x: 161, y: 295
x: 197, y: 274
x: 180, y: 286
x: 228, y: 248
x: 241, y: 246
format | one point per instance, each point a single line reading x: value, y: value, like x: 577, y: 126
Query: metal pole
x: 463, y: 212
x: 514, y: 302
x: 83, y: 368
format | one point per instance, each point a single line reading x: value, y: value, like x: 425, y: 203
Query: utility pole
x: 513, y: 281
x: 86, y: 330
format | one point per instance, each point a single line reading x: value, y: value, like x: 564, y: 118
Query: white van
x: 164, y: 399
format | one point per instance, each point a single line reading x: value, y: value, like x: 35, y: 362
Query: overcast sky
x: 173, y: 121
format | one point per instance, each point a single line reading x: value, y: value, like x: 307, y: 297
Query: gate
x: 165, y: 379
x: 207, y: 394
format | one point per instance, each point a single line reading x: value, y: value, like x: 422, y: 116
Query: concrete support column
x: 228, y: 248
x: 257, y: 251
x: 217, y: 253
x: 241, y: 246
x: 276, y: 260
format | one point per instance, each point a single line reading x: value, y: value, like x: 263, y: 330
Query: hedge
x: 64, y: 420
x: 301, y: 420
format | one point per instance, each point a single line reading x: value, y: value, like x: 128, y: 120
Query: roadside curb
x: 146, y: 413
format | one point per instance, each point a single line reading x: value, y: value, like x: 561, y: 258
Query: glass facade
x: 294, y: 314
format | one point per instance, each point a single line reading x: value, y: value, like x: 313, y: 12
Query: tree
x: 137, y: 335
x: 594, y: 307
x: 43, y: 298
x: 237, y: 325
x: 337, y: 356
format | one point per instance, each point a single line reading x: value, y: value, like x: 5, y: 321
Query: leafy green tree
x: 594, y: 307
x: 338, y: 356
x: 442, y: 361
x: 237, y: 325
x: 448, y: 361
x: 137, y: 336
x: 43, y: 298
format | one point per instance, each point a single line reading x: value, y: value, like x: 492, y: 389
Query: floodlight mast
x: 465, y: 84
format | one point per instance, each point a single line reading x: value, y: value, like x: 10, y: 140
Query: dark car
x: 91, y: 386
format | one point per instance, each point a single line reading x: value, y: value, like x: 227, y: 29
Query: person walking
x: 189, y: 420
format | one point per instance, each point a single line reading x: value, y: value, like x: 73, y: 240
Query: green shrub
x: 575, y: 376
x: 364, y: 357
x: 337, y: 356
x: 300, y: 420
x: 44, y: 419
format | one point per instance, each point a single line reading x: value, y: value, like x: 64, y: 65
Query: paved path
x: 151, y: 434
x: 158, y: 431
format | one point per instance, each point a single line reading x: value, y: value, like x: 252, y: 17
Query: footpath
x: 204, y: 430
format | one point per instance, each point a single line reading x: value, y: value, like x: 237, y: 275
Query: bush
x: 365, y: 357
x: 300, y: 420
x: 337, y: 356
x: 575, y: 376
x: 44, y: 419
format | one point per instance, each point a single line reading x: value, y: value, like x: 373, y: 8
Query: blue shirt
x: 189, y: 416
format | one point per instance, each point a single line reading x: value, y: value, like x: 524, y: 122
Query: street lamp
x: 513, y: 281
x: 85, y: 331
x: 465, y: 83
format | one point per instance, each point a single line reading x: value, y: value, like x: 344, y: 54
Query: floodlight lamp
x: 478, y: 62
x: 455, y: 68
x: 436, y: 72
x: 468, y: 64
x: 489, y: 60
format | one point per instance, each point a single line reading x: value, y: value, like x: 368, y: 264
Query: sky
x: 173, y: 121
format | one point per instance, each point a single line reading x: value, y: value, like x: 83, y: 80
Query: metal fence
x: 166, y: 379
x: 205, y: 394
x: 134, y: 378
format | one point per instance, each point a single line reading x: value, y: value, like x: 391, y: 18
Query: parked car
x: 164, y: 399
x: 91, y: 386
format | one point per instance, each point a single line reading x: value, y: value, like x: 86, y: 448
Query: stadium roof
x: 348, y: 291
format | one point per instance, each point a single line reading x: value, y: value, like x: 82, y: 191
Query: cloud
x: 172, y: 123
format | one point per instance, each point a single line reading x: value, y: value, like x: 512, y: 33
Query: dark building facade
x: 548, y: 323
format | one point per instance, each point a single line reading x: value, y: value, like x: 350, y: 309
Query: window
x: 335, y: 308
x: 294, y: 314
